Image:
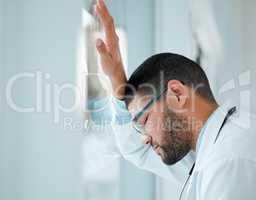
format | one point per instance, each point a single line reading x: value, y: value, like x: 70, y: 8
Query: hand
x: 109, y: 51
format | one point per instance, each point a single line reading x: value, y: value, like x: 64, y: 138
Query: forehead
x: 138, y: 103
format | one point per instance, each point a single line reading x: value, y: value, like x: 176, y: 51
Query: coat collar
x: 209, y: 133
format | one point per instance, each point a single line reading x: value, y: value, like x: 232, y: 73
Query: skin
x: 173, y: 123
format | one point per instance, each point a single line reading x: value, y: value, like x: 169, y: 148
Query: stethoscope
x: 230, y: 112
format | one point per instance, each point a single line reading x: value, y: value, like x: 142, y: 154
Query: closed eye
x: 146, y: 119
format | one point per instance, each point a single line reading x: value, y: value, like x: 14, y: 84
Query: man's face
x: 167, y: 131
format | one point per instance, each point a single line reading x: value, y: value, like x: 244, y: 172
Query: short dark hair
x: 157, y: 70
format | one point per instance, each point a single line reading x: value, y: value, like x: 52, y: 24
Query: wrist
x: 118, y: 84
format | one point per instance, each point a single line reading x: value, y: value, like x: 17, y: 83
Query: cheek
x: 155, y: 127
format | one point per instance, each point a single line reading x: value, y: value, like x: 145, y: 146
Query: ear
x: 177, y: 95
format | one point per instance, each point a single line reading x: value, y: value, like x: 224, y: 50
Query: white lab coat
x: 224, y: 170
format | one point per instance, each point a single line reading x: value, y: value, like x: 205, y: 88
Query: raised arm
x: 130, y: 144
x: 110, y: 55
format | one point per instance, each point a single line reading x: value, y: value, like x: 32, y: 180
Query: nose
x: 146, y: 139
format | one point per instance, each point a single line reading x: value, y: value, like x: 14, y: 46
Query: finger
x: 100, y: 45
x: 104, y: 9
x: 106, y: 20
x: 108, y: 25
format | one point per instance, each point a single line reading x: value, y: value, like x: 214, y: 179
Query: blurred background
x: 41, y: 158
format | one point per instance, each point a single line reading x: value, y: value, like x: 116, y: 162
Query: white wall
x: 249, y: 23
x: 40, y: 160
x: 236, y: 22
x: 172, y: 27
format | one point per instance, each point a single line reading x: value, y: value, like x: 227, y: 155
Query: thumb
x: 105, y: 58
x: 101, y: 47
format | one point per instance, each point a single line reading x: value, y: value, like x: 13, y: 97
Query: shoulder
x: 231, y: 178
x: 237, y: 140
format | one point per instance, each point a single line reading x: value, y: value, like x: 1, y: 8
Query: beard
x: 177, y: 138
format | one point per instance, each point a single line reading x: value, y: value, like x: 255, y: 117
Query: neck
x: 200, y: 115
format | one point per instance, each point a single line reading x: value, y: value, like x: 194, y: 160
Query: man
x: 171, y: 105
